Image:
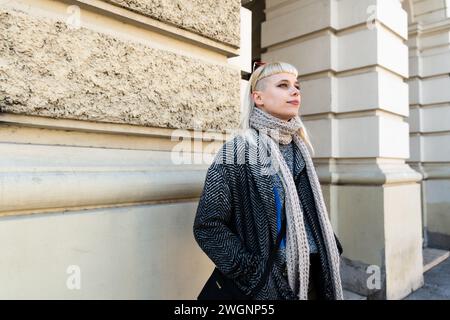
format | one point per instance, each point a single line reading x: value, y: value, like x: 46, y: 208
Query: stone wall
x: 98, y: 186
x: 217, y: 20
x: 52, y: 70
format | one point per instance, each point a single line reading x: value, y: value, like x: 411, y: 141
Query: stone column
x: 352, y: 60
x: 429, y: 44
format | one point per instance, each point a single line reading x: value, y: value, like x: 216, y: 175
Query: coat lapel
x: 264, y: 186
x: 299, y: 163
x: 264, y: 183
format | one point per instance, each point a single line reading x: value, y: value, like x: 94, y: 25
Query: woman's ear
x: 257, y: 98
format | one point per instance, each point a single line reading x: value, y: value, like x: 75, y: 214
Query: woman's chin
x: 287, y: 117
x: 291, y: 115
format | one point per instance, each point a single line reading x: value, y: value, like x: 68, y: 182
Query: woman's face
x: 279, y: 96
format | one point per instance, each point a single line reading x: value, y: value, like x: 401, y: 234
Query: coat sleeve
x: 215, y: 237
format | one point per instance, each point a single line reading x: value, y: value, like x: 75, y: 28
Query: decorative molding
x: 360, y: 172
x: 35, y: 178
x: 432, y: 171
x: 106, y: 128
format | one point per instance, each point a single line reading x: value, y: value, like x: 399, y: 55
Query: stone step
x: 432, y: 257
x: 348, y: 295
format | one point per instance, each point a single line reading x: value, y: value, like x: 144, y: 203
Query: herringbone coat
x: 236, y: 222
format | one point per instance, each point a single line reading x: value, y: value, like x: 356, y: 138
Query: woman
x: 260, y: 178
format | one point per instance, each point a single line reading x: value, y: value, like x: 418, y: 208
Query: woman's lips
x: 294, y: 102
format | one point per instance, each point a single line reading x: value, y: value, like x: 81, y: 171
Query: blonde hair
x: 257, y: 82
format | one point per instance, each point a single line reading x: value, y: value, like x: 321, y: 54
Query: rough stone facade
x: 218, y: 20
x: 49, y: 69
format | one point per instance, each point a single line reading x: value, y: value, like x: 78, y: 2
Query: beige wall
x: 130, y: 252
x: 91, y: 95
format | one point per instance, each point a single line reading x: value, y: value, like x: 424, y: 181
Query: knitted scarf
x: 275, y: 131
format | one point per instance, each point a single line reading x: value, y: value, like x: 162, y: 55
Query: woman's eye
x: 285, y: 85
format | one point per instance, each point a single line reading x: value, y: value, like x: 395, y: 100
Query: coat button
x: 285, y: 272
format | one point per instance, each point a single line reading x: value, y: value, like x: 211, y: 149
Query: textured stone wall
x: 49, y: 69
x: 218, y: 20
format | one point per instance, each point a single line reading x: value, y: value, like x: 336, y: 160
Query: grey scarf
x: 275, y: 131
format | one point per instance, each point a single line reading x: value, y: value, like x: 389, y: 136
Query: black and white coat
x: 236, y: 222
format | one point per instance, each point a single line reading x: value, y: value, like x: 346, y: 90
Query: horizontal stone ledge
x: 42, y: 177
x: 87, y: 209
x: 432, y: 17
x: 429, y: 106
x: 367, y: 174
x: 430, y: 47
x: 435, y: 27
x: 20, y: 135
x: 363, y: 113
x: 416, y: 77
x: 433, y: 171
x: 201, y: 38
x: 21, y: 158
x: 41, y: 122
x: 430, y: 133
x: 34, y: 191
